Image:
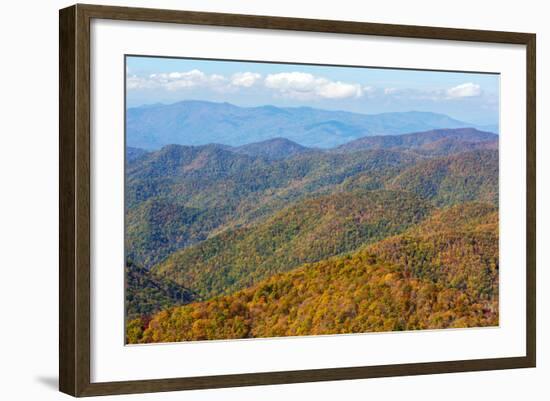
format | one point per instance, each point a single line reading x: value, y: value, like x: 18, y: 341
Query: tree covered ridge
x: 146, y: 294
x: 431, y: 143
x: 305, y: 232
x: 182, y: 195
x: 465, y: 177
x: 428, y: 277
x: 273, y: 239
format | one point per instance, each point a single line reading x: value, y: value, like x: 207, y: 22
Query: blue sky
x: 470, y: 97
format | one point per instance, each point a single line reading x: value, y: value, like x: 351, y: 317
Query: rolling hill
x: 272, y: 149
x: 453, y: 179
x: 146, y: 294
x: 181, y: 195
x: 158, y: 227
x: 433, y: 142
x: 450, y: 146
x: 456, y: 247
x: 134, y: 153
x: 194, y: 122
x: 432, y: 276
x: 307, y: 231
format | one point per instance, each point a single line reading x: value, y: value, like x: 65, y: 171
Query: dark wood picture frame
x: 74, y: 199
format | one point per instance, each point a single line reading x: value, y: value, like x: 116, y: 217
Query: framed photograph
x: 249, y: 200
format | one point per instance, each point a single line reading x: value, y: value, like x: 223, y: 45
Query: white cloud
x: 369, y: 90
x: 174, y: 81
x: 245, y: 79
x: 414, y: 94
x: 302, y: 85
x: 464, y: 90
x: 135, y: 82
x: 339, y: 90
x: 295, y: 81
x: 296, y: 85
x: 456, y: 92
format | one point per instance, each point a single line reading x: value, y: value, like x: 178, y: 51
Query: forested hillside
x: 308, y: 231
x: 181, y: 195
x: 462, y: 139
x: 273, y: 238
x: 454, y: 179
x: 449, y: 146
x: 428, y: 277
x: 273, y: 149
x: 146, y: 294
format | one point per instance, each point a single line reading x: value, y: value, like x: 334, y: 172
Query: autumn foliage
x: 441, y: 273
x: 384, y: 233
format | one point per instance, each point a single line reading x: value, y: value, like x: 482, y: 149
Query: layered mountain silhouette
x: 433, y: 142
x: 181, y: 195
x: 363, y: 229
x: 276, y: 148
x: 199, y: 122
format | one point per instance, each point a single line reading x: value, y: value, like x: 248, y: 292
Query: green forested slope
x: 433, y: 142
x: 158, y: 227
x: 308, y: 231
x: 146, y: 294
x: 273, y: 149
x: 453, y: 179
x: 449, y: 146
x: 181, y: 195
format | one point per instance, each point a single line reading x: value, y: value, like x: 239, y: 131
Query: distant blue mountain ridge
x: 195, y: 123
x: 438, y: 142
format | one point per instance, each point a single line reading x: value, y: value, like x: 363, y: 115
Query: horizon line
x: 145, y: 105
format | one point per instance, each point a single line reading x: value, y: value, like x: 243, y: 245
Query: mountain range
x: 435, y: 275
x: 182, y: 195
x: 274, y: 238
x: 195, y: 123
x: 427, y: 142
x: 305, y: 232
